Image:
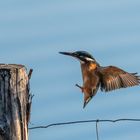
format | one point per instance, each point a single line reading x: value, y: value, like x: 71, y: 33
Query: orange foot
x: 82, y: 89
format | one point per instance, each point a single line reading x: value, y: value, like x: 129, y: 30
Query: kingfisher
x: 95, y: 76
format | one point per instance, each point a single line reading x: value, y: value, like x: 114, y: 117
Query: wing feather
x: 114, y: 78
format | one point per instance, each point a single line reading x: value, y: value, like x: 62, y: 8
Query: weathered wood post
x: 14, y: 102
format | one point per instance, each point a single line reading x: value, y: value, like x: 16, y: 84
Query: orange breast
x: 92, y: 66
x: 87, y: 73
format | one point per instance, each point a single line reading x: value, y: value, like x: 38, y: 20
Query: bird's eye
x: 81, y: 56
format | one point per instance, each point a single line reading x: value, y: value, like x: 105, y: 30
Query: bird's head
x: 82, y: 56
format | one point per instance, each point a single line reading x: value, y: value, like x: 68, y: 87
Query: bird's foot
x: 82, y: 89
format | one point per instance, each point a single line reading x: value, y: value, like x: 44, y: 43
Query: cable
x: 84, y: 121
x: 97, y: 133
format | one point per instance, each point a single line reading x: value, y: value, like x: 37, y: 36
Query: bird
x: 95, y: 76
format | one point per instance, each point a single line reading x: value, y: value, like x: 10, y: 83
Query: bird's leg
x: 82, y: 89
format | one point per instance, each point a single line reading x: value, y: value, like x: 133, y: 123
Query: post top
x: 11, y: 66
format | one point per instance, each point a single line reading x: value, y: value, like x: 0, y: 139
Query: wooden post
x: 14, y: 102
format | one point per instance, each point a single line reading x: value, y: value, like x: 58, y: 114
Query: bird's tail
x: 88, y: 97
x: 86, y: 101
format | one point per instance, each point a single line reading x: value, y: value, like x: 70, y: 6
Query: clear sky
x: 33, y: 32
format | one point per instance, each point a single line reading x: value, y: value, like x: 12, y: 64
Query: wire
x: 97, y: 133
x: 80, y: 122
x: 84, y: 121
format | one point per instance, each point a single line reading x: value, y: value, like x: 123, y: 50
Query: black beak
x: 67, y: 53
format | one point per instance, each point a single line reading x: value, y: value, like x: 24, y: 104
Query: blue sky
x: 33, y: 32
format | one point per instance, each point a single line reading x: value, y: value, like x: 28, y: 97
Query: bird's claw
x: 79, y: 87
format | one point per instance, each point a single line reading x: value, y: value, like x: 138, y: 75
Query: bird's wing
x: 114, y: 78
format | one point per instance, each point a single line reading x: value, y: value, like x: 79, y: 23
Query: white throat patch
x: 89, y: 59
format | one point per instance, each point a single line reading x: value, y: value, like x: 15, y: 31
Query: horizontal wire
x: 80, y: 122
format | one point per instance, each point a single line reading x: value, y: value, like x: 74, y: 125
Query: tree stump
x: 15, y: 102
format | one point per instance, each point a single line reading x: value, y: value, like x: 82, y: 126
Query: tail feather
x: 86, y: 101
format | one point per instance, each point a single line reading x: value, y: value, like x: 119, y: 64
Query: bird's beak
x: 67, y: 53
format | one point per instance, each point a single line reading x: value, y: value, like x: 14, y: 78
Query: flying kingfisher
x: 95, y: 76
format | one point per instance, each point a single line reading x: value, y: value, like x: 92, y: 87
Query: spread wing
x: 114, y: 78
